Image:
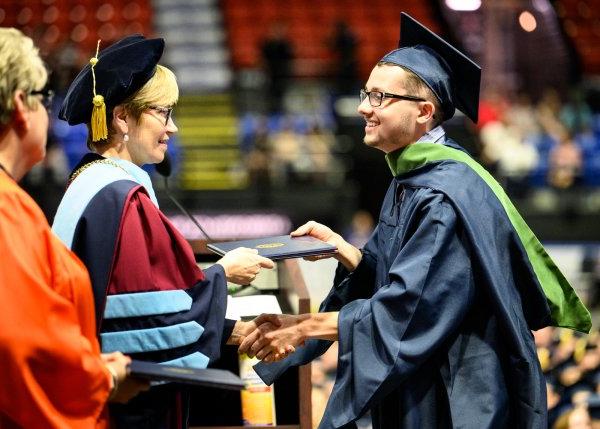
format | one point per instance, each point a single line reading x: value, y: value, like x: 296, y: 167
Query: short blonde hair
x: 21, y: 68
x: 417, y: 87
x: 160, y: 90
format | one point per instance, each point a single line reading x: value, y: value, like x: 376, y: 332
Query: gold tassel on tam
x: 98, y: 123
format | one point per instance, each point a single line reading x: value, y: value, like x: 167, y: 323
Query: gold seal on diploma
x: 269, y: 245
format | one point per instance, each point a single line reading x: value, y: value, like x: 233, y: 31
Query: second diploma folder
x: 217, y: 378
x: 279, y: 247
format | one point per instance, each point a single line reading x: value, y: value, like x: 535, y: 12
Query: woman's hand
x: 123, y: 387
x: 242, y: 265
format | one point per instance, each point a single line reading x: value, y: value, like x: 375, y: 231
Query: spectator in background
x: 319, y: 148
x: 508, y: 153
x: 290, y: 163
x: 361, y: 229
x: 258, y: 155
x: 277, y: 55
x: 565, y: 163
x: 575, y: 114
x: 52, y: 372
x: 491, y: 106
x: 575, y: 418
x: 344, y: 46
x: 548, y: 113
x: 521, y: 114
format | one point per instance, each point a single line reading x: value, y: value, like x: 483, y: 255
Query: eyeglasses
x: 47, y: 97
x: 377, y: 97
x: 165, y: 112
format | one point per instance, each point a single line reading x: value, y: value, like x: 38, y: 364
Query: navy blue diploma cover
x: 218, y: 378
x: 279, y: 247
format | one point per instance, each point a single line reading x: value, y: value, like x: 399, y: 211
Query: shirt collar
x: 436, y: 135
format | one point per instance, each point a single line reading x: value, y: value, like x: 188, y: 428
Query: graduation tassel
x: 98, y: 123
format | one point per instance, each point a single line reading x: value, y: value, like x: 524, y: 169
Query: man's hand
x: 347, y: 254
x: 242, y: 265
x: 274, y: 341
x: 242, y: 329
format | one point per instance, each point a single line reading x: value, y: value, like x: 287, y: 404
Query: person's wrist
x: 115, y: 382
x: 348, y: 255
x: 224, y: 266
x: 304, y: 326
x: 246, y: 328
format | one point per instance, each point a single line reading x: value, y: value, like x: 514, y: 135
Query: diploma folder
x: 279, y: 247
x: 218, y: 378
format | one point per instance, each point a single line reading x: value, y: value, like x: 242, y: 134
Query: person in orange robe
x: 52, y: 374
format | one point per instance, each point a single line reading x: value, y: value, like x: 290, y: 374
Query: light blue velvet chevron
x: 154, y: 339
x: 146, y: 303
x: 194, y: 360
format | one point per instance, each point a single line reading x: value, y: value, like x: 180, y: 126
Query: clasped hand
x: 275, y: 337
x: 242, y: 265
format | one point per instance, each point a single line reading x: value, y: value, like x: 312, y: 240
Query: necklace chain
x: 6, y: 171
x: 89, y: 164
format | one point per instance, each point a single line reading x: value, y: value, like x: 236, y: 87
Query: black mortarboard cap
x: 452, y: 76
x: 121, y: 70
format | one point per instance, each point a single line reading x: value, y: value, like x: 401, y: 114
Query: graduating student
x: 433, y: 315
x: 151, y: 299
x: 51, y: 370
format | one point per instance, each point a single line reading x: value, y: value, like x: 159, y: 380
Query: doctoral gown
x: 51, y: 374
x: 434, y: 323
x: 152, y: 301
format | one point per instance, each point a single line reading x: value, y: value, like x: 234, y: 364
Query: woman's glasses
x: 165, y: 112
x: 47, y: 97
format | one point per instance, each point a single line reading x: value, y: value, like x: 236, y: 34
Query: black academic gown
x: 434, y: 323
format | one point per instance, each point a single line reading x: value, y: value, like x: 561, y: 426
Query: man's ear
x: 426, y: 113
x: 119, y: 120
x: 21, y: 111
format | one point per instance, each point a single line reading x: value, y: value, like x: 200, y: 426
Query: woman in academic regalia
x: 152, y: 300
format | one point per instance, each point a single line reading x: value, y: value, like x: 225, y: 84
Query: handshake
x: 270, y: 337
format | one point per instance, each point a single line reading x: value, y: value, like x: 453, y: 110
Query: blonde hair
x: 160, y: 90
x: 21, y: 68
x: 416, y: 86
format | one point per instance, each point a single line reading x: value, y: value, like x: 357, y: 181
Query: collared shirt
x: 436, y: 135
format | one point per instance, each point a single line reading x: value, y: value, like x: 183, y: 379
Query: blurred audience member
x: 344, y: 46
x: 565, y: 163
x: 571, y: 364
x: 277, y: 56
x: 507, y: 153
x: 319, y: 144
x: 576, y: 115
x: 575, y: 418
x: 548, y: 113
x: 521, y: 114
x: 360, y: 229
x: 288, y: 155
x: 491, y: 107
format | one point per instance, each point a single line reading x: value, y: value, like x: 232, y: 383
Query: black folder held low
x: 278, y: 247
x: 218, y: 378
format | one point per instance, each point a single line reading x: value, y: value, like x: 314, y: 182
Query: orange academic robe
x: 51, y: 374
